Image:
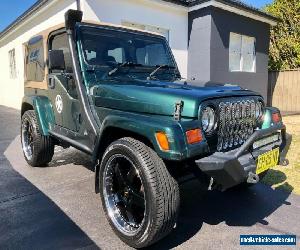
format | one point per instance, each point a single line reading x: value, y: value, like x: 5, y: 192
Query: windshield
x: 120, y: 53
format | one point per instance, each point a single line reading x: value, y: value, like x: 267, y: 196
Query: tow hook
x: 252, y: 178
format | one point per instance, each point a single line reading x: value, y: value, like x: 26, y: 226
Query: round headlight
x: 258, y: 110
x: 208, y: 119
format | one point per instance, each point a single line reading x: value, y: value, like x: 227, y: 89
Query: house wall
x: 199, y: 40
x: 155, y: 13
x: 216, y: 61
x: 257, y: 81
x: 12, y: 90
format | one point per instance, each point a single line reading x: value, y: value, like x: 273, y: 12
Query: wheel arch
x: 25, y: 107
x: 43, y: 109
x: 111, y: 134
x: 139, y: 127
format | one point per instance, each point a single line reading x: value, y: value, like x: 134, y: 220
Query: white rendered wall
x: 12, y: 90
x: 150, y: 12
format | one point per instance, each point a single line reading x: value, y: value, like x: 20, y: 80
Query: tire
x: 38, y: 149
x: 158, y: 188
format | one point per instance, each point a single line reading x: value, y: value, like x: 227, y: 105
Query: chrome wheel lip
x: 113, y: 212
x: 25, y: 140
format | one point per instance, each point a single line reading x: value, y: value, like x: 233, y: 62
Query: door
x: 62, y: 88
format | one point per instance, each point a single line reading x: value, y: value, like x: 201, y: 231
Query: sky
x: 11, y: 9
x: 257, y: 3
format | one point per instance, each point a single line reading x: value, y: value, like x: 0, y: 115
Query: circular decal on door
x: 59, y: 104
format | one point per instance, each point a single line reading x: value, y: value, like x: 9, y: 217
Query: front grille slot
x: 236, y: 123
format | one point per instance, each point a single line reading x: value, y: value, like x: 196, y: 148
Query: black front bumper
x: 237, y: 166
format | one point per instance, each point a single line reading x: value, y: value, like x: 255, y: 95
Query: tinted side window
x: 60, y: 42
x: 35, y: 64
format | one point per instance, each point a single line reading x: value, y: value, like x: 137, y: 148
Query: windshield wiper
x: 159, y: 67
x: 121, y: 65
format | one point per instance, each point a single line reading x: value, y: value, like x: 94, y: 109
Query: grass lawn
x: 288, y: 177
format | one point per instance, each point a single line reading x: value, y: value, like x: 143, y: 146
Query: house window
x: 12, y: 64
x: 150, y: 28
x: 242, y: 56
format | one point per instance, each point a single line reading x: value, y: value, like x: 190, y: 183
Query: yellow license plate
x: 267, y: 160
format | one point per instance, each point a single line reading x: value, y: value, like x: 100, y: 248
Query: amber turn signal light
x: 194, y: 136
x: 276, y: 117
x: 162, y: 140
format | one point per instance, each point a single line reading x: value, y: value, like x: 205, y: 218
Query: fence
x: 284, y: 90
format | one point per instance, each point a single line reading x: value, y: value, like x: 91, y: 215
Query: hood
x: 160, y: 97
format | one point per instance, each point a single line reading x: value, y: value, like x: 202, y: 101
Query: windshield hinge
x: 178, y: 110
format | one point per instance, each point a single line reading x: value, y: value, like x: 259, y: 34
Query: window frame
x: 241, y: 53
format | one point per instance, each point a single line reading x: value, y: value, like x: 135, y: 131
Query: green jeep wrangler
x: 116, y: 94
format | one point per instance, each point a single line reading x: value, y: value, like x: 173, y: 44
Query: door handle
x: 51, y: 83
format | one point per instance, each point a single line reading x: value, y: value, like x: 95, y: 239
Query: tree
x: 285, y: 37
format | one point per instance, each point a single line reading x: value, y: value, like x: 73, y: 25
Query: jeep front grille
x: 236, y: 123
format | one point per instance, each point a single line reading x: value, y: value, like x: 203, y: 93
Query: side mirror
x: 56, y: 60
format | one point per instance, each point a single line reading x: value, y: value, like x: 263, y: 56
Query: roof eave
x: 236, y: 8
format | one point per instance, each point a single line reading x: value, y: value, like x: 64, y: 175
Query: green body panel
x: 43, y: 109
x: 159, y: 98
x: 147, y: 125
x: 69, y: 117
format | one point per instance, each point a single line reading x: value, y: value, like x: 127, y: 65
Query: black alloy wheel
x: 139, y: 196
x: 124, y: 194
x: 38, y: 149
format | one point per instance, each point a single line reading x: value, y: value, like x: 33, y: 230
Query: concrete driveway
x: 56, y: 207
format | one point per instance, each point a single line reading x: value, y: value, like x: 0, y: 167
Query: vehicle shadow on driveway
x: 72, y: 156
x: 235, y: 207
x: 29, y: 219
